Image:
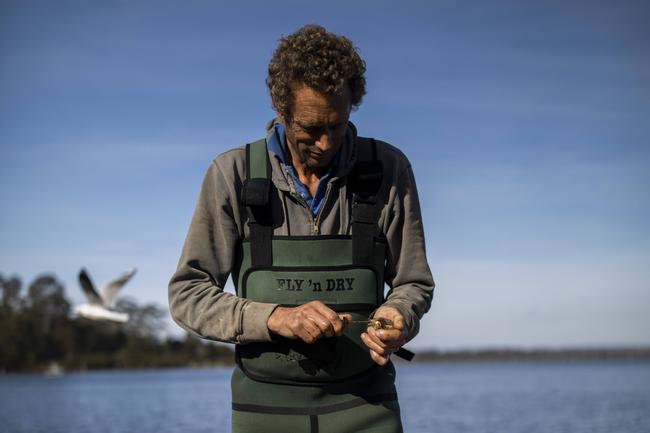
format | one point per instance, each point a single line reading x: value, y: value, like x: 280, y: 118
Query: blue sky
x: 526, y: 124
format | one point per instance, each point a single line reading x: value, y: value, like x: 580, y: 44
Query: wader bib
x: 290, y: 385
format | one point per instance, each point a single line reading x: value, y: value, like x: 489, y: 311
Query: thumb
x: 399, y: 322
x: 345, y: 318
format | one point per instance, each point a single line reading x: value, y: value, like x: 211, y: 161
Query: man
x: 310, y: 222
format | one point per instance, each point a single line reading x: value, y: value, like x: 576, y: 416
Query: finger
x: 379, y: 359
x: 339, y: 325
x: 330, y: 316
x: 324, y: 310
x: 381, y: 336
x: 345, y: 318
x: 386, y: 341
x: 373, y: 345
x: 325, y: 327
x: 398, y: 322
x: 389, y: 336
x: 306, y: 330
x: 304, y: 335
x: 372, y: 333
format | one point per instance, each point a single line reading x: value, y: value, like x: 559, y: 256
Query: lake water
x: 447, y: 398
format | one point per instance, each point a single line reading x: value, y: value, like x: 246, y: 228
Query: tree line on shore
x: 38, y: 330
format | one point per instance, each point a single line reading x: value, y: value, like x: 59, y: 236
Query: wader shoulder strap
x: 256, y: 198
x: 364, y: 183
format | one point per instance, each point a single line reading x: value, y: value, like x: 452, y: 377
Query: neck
x: 303, y: 170
x: 308, y: 176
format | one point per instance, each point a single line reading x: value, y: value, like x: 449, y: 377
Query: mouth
x: 315, y: 159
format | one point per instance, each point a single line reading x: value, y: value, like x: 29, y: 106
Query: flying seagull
x: 100, y: 305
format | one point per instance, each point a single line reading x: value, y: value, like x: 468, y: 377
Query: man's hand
x: 382, y: 342
x: 308, y: 322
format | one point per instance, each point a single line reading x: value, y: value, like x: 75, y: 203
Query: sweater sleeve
x: 197, y: 300
x: 407, y: 272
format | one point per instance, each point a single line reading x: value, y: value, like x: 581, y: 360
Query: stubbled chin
x: 312, y: 162
x: 320, y: 163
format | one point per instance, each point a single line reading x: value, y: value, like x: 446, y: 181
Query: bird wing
x: 109, y: 290
x: 89, y: 288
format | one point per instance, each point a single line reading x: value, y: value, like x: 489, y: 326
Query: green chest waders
x: 299, y: 382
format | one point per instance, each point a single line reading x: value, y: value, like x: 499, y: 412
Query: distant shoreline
x: 530, y: 355
x: 426, y: 356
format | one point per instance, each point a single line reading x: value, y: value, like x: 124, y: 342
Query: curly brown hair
x: 318, y: 59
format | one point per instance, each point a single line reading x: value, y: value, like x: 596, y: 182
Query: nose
x: 324, y: 142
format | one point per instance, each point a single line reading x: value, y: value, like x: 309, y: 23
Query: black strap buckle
x: 255, y: 192
x: 365, y: 180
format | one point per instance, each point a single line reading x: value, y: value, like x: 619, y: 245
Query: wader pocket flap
x: 294, y: 361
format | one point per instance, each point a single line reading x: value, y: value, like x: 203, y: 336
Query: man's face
x: 317, y: 128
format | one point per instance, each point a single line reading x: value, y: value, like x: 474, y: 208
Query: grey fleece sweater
x: 197, y: 298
